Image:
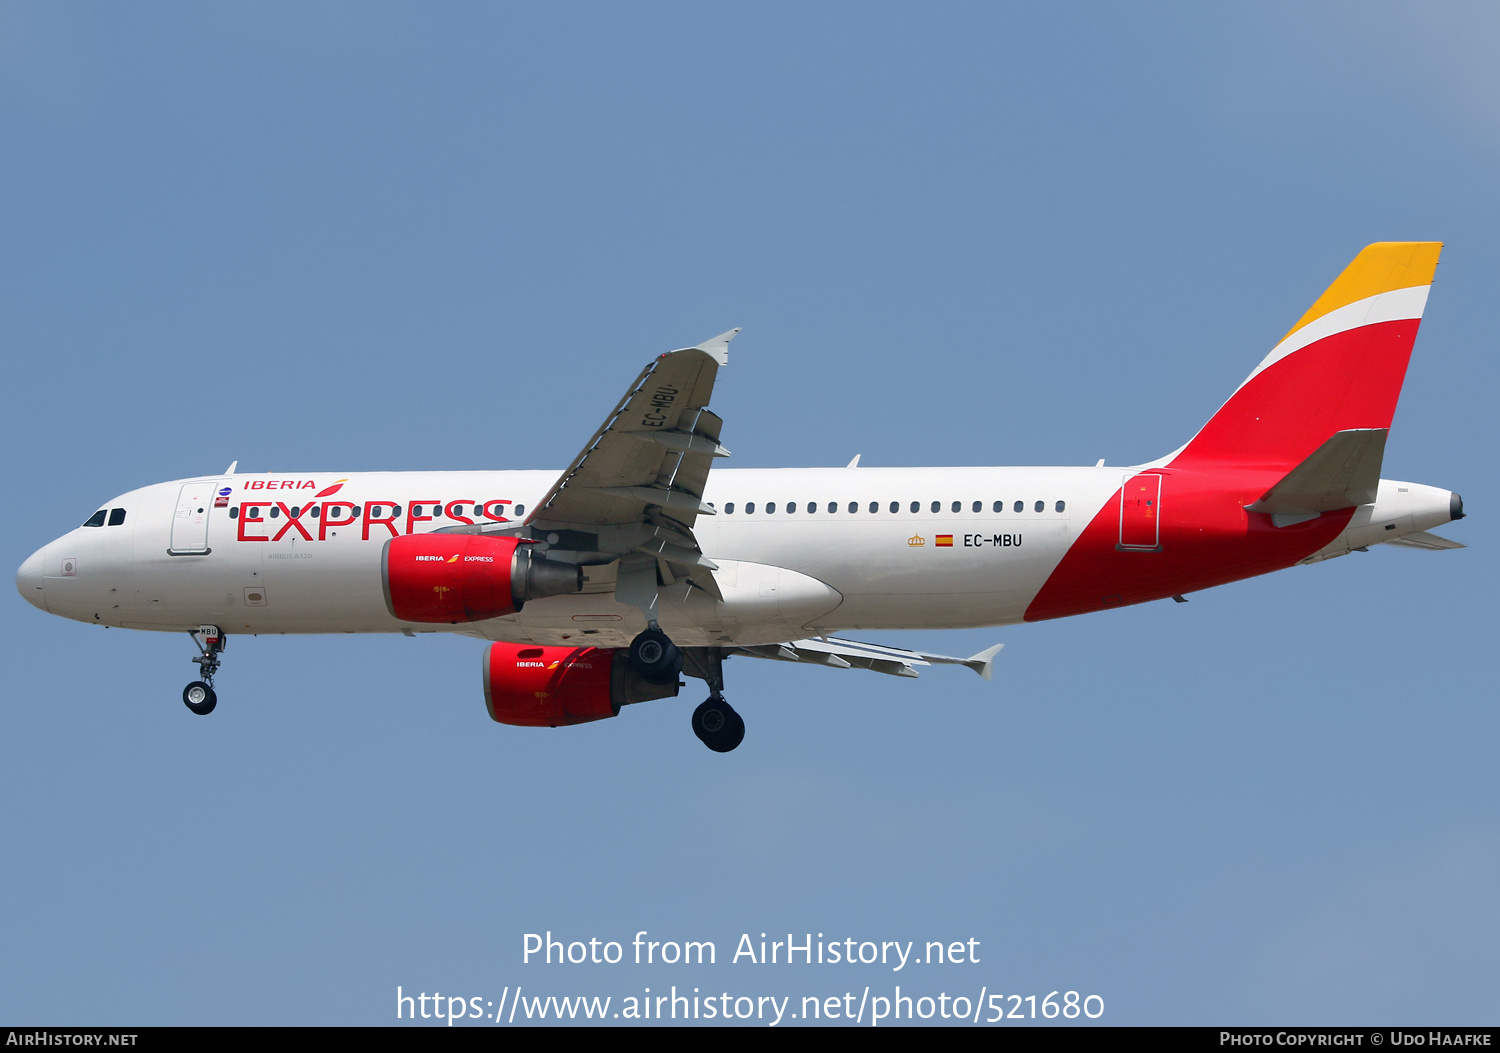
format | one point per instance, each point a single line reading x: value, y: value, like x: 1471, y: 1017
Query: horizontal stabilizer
x: 1342, y: 473
x: 1430, y: 542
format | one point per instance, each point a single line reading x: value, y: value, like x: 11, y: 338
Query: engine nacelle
x: 553, y: 686
x: 451, y: 578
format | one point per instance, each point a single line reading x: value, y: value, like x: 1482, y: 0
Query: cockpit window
x: 116, y: 516
x: 97, y: 519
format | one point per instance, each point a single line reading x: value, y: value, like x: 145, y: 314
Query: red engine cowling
x: 554, y: 686
x: 548, y: 686
x: 451, y: 578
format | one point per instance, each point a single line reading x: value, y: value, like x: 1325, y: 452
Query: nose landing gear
x: 199, y: 695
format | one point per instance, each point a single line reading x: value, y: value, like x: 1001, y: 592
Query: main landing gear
x: 655, y: 656
x: 199, y: 695
x: 717, y: 725
x: 657, y: 659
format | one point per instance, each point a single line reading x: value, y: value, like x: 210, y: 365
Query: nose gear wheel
x: 199, y: 695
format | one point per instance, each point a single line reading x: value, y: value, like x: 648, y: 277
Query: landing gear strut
x: 655, y: 656
x: 199, y: 695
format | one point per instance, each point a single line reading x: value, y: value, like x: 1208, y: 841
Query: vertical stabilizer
x: 1340, y: 368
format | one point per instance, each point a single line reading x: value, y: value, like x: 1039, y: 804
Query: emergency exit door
x: 1140, y: 513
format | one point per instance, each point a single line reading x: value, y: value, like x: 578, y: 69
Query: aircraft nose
x: 29, y: 579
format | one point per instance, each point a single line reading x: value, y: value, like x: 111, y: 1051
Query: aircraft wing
x: 847, y: 654
x: 636, y: 490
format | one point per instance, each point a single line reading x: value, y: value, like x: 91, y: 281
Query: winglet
x: 983, y: 662
x: 718, y: 347
x: 232, y: 466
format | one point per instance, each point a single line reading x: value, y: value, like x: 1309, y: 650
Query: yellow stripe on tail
x: 1381, y: 267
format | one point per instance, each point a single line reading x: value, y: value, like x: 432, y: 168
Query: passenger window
x: 978, y: 505
x: 275, y: 512
x: 1062, y: 506
x: 234, y: 513
x: 1041, y: 506
x: 97, y: 519
x: 833, y: 506
x: 957, y: 505
x: 812, y: 506
x: 937, y: 506
x: 895, y: 506
x: 729, y: 509
x: 791, y: 506
x: 314, y: 511
x: 1020, y: 506
x: 749, y: 508
x: 770, y: 508
x: 853, y: 506
x: 117, y: 516
x: 294, y: 512
x: 874, y: 507
x: 520, y: 510
x: 999, y: 506
x: 916, y: 506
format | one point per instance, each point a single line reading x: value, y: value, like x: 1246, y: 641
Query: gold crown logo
x: 916, y: 541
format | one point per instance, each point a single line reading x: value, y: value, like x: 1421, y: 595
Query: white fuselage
x: 283, y: 554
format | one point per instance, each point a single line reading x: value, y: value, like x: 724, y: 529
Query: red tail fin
x: 1339, y: 368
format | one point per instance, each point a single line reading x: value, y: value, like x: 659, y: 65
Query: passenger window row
x: 874, y: 507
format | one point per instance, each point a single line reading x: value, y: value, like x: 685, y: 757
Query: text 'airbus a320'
x: 601, y: 585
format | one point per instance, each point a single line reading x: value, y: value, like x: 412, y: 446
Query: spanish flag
x: 945, y: 541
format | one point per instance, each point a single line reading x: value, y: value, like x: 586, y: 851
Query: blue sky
x: 339, y: 237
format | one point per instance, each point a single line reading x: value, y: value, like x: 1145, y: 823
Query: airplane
x: 598, y: 587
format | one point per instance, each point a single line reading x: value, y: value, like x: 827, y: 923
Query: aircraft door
x: 195, y: 504
x: 1140, y: 514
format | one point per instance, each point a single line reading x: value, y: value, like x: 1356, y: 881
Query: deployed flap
x: 637, y: 487
x: 846, y: 654
x: 1430, y: 542
x: 1342, y: 473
